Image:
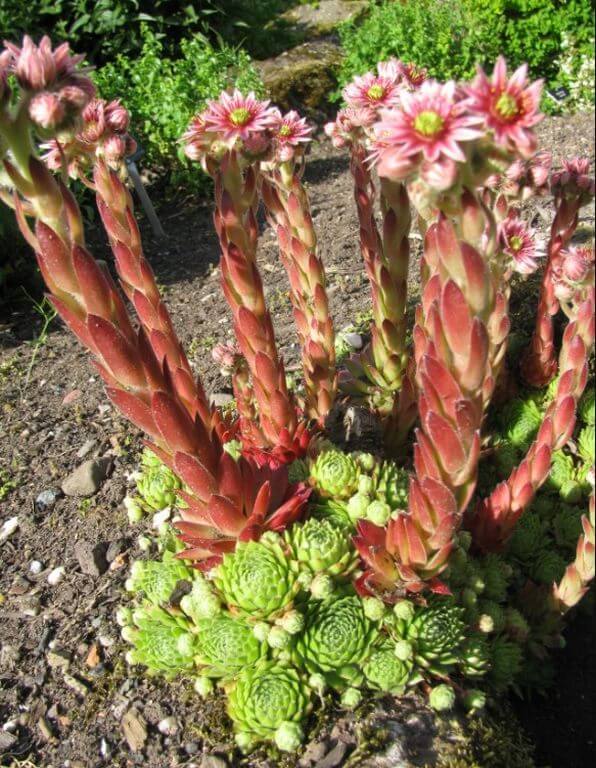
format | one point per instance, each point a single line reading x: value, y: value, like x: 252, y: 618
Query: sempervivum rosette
x: 256, y: 579
x: 475, y: 656
x: 161, y: 642
x: 391, y: 484
x: 336, y: 639
x: 436, y: 634
x: 269, y: 702
x: 385, y: 672
x: 157, y: 580
x: 319, y: 546
x: 226, y: 645
x: 335, y: 474
x: 156, y: 484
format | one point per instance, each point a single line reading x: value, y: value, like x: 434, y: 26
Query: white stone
x: 8, y: 528
x: 56, y: 575
x: 35, y: 567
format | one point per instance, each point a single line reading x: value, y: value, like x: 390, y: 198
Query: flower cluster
x: 289, y: 566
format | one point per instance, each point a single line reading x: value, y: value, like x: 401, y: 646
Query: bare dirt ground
x: 63, y: 686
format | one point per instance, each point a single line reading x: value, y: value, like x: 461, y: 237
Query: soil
x: 54, y: 416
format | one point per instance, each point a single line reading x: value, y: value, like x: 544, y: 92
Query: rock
x: 168, y: 726
x: 86, y: 448
x: 134, y: 729
x: 56, y: 575
x: 302, y: 77
x: 212, y: 761
x: 76, y: 685
x: 191, y: 747
x: 315, y: 20
x: 29, y: 605
x: 91, y: 557
x: 58, y: 659
x: 355, y: 340
x: 314, y: 752
x: 220, y: 399
x: 35, y: 567
x: 7, y: 741
x: 46, y: 499
x: 8, y: 528
x: 115, y: 548
x: 87, y: 478
x: 335, y: 757
x: 19, y: 586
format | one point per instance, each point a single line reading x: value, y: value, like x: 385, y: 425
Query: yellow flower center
x: 507, y: 106
x: 239, y: 116
x: 285, y: 130
x: 375, y: 92
x: 516, y: 243
x: 428, y: 123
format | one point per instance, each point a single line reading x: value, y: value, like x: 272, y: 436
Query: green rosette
x: 436, y: 633
x: 226, y: 645
x: 269, y: 702
x: 335, y: 474
x: 385, y: 672
x: 161, y: 642
x: 391, y: 484
x: 321, y: 547
x: 256, y: 580
x: 337, y: 637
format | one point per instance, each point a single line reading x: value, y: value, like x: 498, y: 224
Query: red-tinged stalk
x: 572, y: 188
x: 289, y: 214
x: 225, y: 499
x: 492, y: 523
x: 578, y: 575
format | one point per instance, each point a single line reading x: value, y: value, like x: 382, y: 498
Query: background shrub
x: 163, y: 93
x: 450, y: 36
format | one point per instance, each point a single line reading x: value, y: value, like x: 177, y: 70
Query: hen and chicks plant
x: 300, y: 568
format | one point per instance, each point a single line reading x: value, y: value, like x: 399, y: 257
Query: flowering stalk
x: 578, y: 575
x: 573, y: 188
x: 225, y: 500
x: 230, y: 138
x: 493, y: 522
x: 288, y: 211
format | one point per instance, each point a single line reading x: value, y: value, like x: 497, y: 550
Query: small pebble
x: 56, y: 575
x: 168, y: 726
x: 35, y: 567
x: 8, y: 528
x: 76, y: 685
x: 46, y: 499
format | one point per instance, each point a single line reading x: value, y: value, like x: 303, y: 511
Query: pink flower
x: 238, y: 117
x: 391, y: 69
x: 290, y: 132
x: 430, y: 125
x: 574, y: 180
x: 521, y: 245
x: 575, y: 273
x: 196, y: 139
x: 509, y: 106
x: 372, y: 91
x: 412, y: 75
x: 349, y: 122
x: 47, y: 110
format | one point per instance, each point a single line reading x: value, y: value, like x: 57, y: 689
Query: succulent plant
x: 157, y: 580
x: 520, y: 421
x: 475, y: 656
x: 562, y: 471
x: 319, y: 546
x: 436, y: 633
x: 374, y: 608
x: 516, y: 625
x: 587, y: 406
x: 586, y: 444
x: 256, y: 579
x: 336, y: 639
x: 298, y: 471
x: 548, y: 567
x: 496, y: 574
x: 506, y: 457
x: 335, y: 474
x: 334, y: 511
x: 567, y: 526
x: 474, y: 700
x: 442, y: 698
x: 268, y: 702
x: 161, y: 642
x: 492, y: 616
x: 391, y: 484
x: 528, y: 537
x: 225, y: 645
x: 384, y: 671
x: 506, y: 662
x: 156, y: 484
x: 201, y: 602
x: 350, y: 698
x: 357, y: 505
x: 378, y: 512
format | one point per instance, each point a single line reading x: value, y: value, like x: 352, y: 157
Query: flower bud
x: 374, y: 609
x: 442, y: 698
x: 203, y: 686
x: 404, y: 610
x: 350, y: 698
x: 322, y: 586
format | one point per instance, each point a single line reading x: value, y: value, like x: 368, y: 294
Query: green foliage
x: 269, y: 702
x: 163, y: 93
x: 161, y: 642
x: 156, y: 484
x: 256, y: 579
x: 520, y: 421
x: 226, y: 645
x: 318, y: 545
x: 506, y: 662
x: 385, y: 672
x: 157, y: 580
x: 587, y: 406
x: 337, y: 637
x: 391, y: 484
x: 451, y: 36
x: 436, y: 634
x: 335, y: 474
